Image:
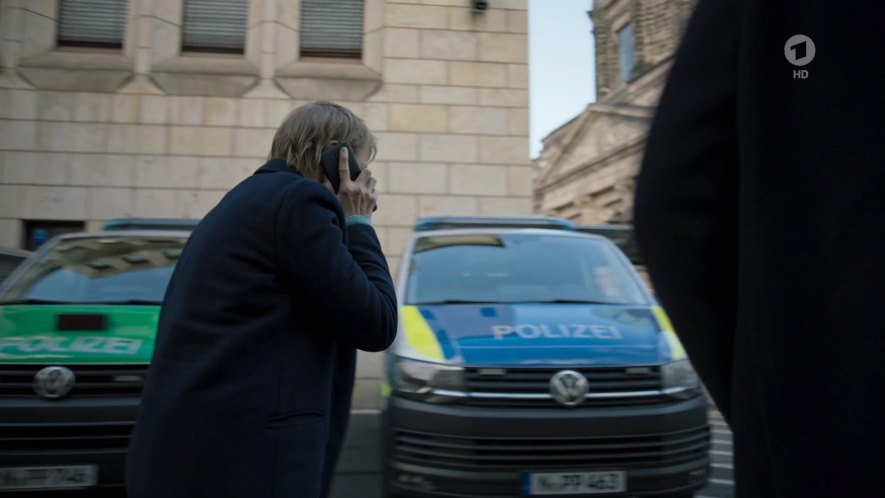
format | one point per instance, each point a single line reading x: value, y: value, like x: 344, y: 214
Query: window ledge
x: 329, y: 69
x: 207, y: 64
x: 85, y: 71
x: 68, y: 59
x: 328, y: 79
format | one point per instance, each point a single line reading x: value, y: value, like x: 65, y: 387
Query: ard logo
x: 799, y: 51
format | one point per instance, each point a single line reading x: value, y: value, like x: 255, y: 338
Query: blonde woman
x: 248, y: 393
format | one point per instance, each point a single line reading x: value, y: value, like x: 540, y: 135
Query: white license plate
x: 72, y: 476
x: 575, y: 483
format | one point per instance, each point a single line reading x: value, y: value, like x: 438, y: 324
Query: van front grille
x: 22, y: 439
x: 530, y: 387
x: 91, y: 380
x: 489, y: 453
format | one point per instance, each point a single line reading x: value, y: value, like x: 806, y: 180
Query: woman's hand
x: 357, y: 197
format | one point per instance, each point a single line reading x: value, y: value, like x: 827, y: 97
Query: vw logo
x: 53, y: 382
x: 569, y: 387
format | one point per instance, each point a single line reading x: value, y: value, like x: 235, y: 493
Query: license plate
x: 575, y: 483
x: 73, y: 476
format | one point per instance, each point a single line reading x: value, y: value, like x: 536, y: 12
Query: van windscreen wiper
x: 31, y: 300
x: 454, y: 301
x: 564, y: 301
x: 134, y: 302
x: 527, y: 301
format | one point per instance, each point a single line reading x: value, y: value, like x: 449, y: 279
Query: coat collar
x: 276, y: 166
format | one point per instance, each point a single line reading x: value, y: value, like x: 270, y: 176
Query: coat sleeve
x: 686, y: 202
x: 347, y: 288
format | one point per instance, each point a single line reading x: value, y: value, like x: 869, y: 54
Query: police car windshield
x: 98, y: 270
x: 519, y: 268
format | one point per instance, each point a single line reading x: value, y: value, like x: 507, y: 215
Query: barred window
x: 332, y: 28
x: 215, y: 26
x: 92, y: 23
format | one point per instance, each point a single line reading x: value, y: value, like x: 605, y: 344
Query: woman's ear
x: 364, y: 159
x: 292, y: 156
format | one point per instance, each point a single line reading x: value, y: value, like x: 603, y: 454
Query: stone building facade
x: 587, y: 166
x: 160, y: 122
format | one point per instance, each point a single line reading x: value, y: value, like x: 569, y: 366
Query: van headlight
x: 679, y: 379
x: 427, y: 381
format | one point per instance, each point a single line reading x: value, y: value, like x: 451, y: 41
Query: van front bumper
x: 35, y: 432
x: 436, y: 450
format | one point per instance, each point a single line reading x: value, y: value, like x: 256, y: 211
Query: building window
x: 217, y: 26
x: 92, y: 23
x: 626, y: 51
x: 38, y: 232
x: 332, y: 28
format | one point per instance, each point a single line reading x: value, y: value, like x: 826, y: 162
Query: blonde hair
x: 311, y: 129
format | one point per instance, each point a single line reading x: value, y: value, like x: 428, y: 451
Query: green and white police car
x: 77, y: 327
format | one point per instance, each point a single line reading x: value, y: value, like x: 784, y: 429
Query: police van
x: 77, y: 328
x: 531, y: 361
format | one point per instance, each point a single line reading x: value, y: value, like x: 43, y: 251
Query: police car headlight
x: 430, y: 381
x: 680, y: 379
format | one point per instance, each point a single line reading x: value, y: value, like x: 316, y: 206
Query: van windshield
x: 519, y: 268
x: 92, y: 270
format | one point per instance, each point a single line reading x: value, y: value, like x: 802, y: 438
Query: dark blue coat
x: 248, y: 393
x: 760, y: 212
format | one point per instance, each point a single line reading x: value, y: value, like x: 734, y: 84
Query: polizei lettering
x: 50, y: 344
x: 577, y: 331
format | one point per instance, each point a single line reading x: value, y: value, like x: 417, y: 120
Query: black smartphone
x: 330, y: 164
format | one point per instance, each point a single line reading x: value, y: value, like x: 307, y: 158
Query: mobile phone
x: 329, y: 162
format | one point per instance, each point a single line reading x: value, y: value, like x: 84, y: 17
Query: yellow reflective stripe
x: 418, y: 333
x: 663, y: 319
x: 676, y: 349
x: 386, y: 390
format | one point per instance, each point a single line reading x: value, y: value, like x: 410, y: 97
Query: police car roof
x: 123, y: 233
x: 459, y: 222
x: 176, y: 224
x: 615, y: 228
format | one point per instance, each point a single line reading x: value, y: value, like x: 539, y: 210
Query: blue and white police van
x: 532, y: 361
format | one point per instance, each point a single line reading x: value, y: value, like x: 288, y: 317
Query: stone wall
x: 587, y: 169
x: 606, y: 46
x: 659, y: 26
x: 148, y: 131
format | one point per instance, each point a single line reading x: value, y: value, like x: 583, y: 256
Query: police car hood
x: 77, y: 333
x: 534, y: 334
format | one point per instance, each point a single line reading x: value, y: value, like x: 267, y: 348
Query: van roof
x: 177, y: 224
x: 458, y: 222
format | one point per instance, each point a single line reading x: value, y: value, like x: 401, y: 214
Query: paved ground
x: 722, y: 481
x: 360, y: 465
